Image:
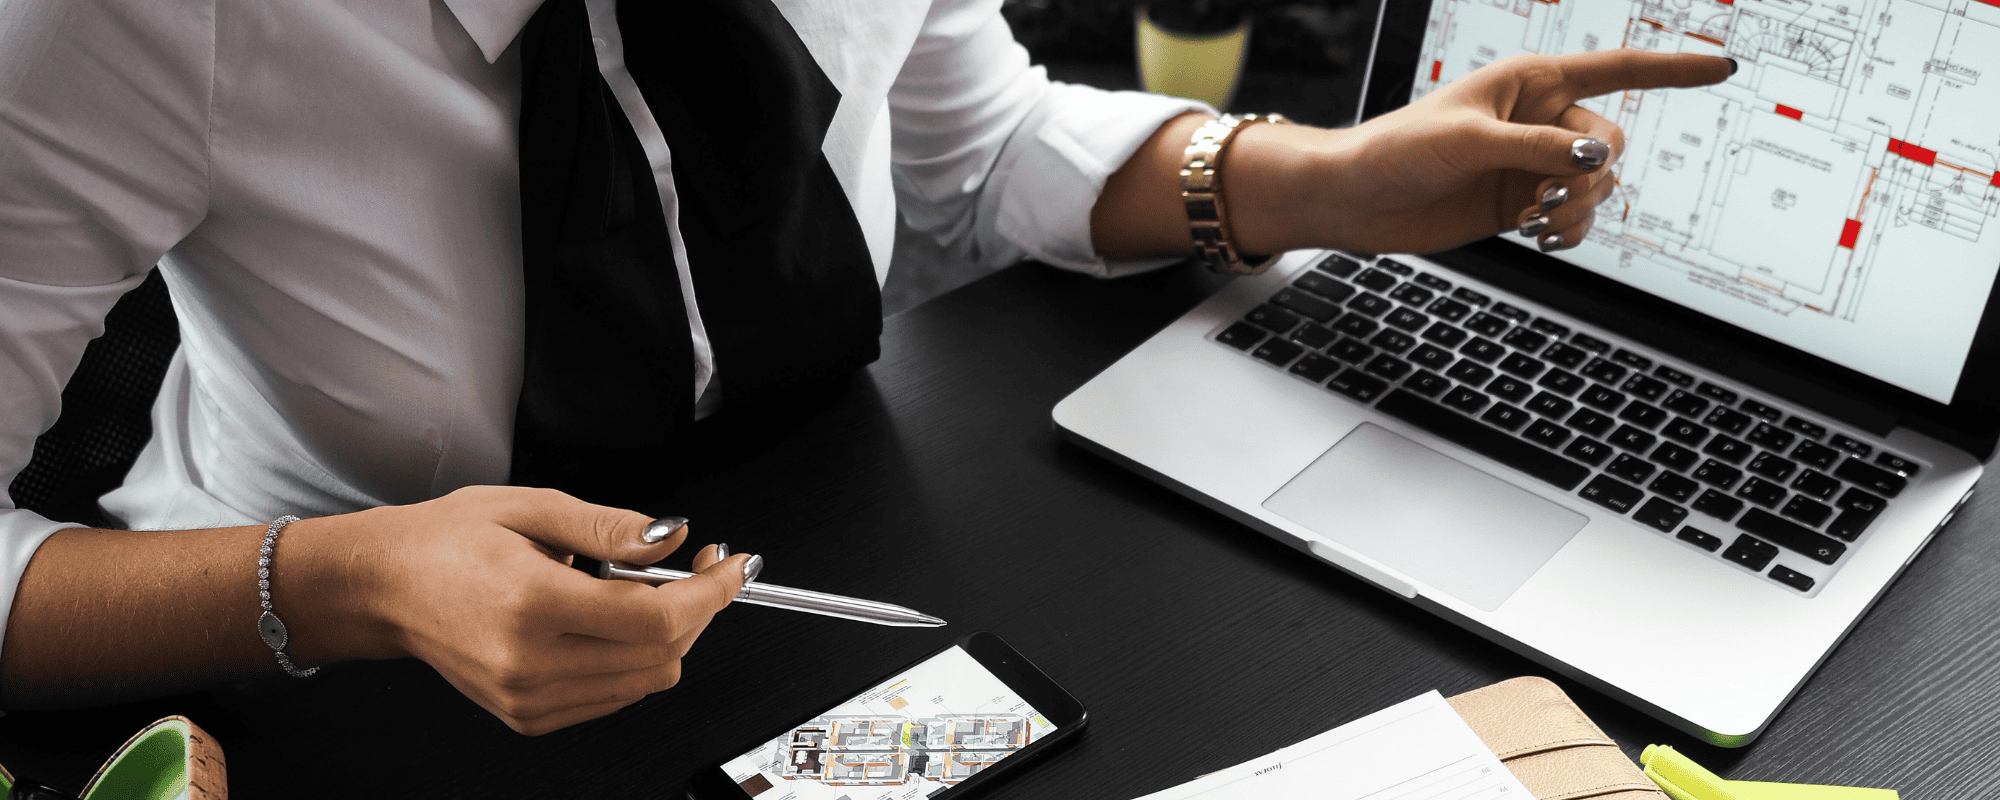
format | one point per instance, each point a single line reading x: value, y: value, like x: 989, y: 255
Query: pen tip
x: 933, y: 621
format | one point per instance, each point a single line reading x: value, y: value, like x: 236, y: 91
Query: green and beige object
x: 172, y: 759
x: 1202, y: 67
x: 1682, y: 779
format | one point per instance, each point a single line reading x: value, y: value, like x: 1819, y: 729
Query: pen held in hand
x: 764, y: 594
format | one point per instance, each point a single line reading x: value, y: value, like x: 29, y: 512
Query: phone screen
x: 913, y: 735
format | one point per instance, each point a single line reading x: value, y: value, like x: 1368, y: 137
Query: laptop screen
x: 1839, y: 194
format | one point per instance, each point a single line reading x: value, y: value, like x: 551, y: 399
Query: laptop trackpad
x: 1427, y: 515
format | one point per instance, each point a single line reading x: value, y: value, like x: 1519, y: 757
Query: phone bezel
x: 1020, y: 675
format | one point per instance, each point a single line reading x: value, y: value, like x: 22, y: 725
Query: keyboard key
x: 1856, y: 498
x: 1674, y: 376
x: 1510, y: 312
x: 1445, y: 334
x: 1561, y: 381
x: 1854, y: 446
x: 1751, y: 553
x: 1717, y: 474
x: 1449, y: 309
x: 1432, y: 281
x: 1699, y: 538
x: 1630, y: 469
x: 1511, y: 388
x: 1505, y: 417
x: 1351, y: 351
x: 1320, y: 284
x: 1370, y: 304
x: 1469, y: 372
x: 1305, y: 305
x: 1601, y: 398
x: 1817, y: 455
x: 1661, y: 514
x: 1728, y: 419
x: 1431, y: 356
x: 1546, y: 433
x: 1522, y: 365
x: 1591, y: 343
x: 1761, y: 492
x: 1674, y: 456
x: 1407, y: 320
x: 1850, y: 523
x: 1716, y: 393
x: 1536, y: 462
x: 1357, y: 385
x: 1685, y: 403
x: 1313, y: 336
x: 1549, y: 405
x: 1524, y: 339
x: 1272, y: 318
x: 1466, y: 399
x: 1727, y: 449
x: 1874, y: 479
x: 1315, y: 368
x: 1563, y: 355
x: 1633, y: 439
x: 1411, y: 293
x: 1791, y: 536
x: 1482, y: 349
x: 1240, y: 335
x: 1649, y: 388
x: 1611, y: 494
x: 1589, y: 451
x: 1277, y: 351
x: 1761, y: 409
x: 1674, y: 487
x: 1805, y: 510
x: 1356, y: 324
x: 1771, y: 437
x: 1591, y: 422
x: 1717, y: 505
x: 1685, y: 431
x: 1642, y: 414
x: 1486, y: 324
x: 1393, y: 341
x: 1895, y: 463
x: 1791, y: 577
x: 1389, y: 367
x: 1397, y: 267
x: 1549, y: 328
x: 1470, y: 297
x: 1631, y: 359
x: 1427, y: 383
x: 1338, y: 264
x: 1815, y: 483
x: 1375, y: 280
x: 1773, y: 466
x: 1604, y: 372
x: 1806, y: 428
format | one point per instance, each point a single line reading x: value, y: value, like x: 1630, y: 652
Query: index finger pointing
x: 1605, y: 71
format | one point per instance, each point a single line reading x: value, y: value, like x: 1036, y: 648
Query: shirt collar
x: 493, y: 23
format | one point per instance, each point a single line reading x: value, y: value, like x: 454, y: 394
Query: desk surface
x: 936, y: 481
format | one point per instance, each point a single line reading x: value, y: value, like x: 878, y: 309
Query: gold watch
x: 1201, y: 190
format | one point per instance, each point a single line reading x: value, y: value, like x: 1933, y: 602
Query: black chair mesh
x: 106, y: 410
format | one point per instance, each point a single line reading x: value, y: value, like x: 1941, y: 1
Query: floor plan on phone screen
x: 915, y: 735
x: 1841, y: 187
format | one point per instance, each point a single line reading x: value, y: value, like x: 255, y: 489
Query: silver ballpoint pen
x: 764, y: 594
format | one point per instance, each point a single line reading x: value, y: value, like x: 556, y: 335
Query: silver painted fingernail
x: 721, y: 551
x: 1534, y: 225
x: 1589, y: 153
x: 1551, y: 242
x: 751, y: 568
x: 658, y: 530
x: 1555, y: 196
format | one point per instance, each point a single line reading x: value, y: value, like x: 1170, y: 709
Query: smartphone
x: 939, y: 728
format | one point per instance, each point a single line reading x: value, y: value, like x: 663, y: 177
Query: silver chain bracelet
x: 269, y: 626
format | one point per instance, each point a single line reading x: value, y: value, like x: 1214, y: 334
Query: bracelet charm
x: 269, y: 627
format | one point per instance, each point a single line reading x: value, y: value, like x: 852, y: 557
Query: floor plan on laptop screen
x: 1838, y: 194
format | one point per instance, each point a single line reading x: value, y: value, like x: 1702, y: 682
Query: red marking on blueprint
x: 1850, y: 233
x: 1996, y: 178
x: 1991, y: 2
x: 1788, y: 111
x: 1727, y: 2
x: 1921, y: 155
x: 1436, y: 68
x: 1707, y: 38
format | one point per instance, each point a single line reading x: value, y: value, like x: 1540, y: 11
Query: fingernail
x: 1732, y: 65
x: 1589, y: 153
x: 721, y: 551
x: 1534, y: 225
x: 1555, y: 196
x: 658, y: 530
x: 1551, y: 242
x: 751, y: 568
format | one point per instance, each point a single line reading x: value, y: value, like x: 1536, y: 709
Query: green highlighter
x: 1683, y: 779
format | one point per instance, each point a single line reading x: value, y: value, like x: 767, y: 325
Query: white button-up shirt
x: 330, y: 188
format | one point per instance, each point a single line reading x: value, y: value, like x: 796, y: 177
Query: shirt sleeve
x: 996, y: 161
x: 103, y: 167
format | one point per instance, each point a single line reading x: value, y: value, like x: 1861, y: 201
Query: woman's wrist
x: 324, y: 583
x: 1283, y: 184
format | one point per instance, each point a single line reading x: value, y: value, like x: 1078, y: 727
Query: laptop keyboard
x: 1777, y: 493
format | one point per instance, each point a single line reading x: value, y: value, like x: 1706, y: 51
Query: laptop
x: 1678, y: 462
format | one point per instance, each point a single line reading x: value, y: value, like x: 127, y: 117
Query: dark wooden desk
x: 936, y: 481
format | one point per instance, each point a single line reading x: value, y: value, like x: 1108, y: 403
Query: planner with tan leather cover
x: 1547, y: 742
